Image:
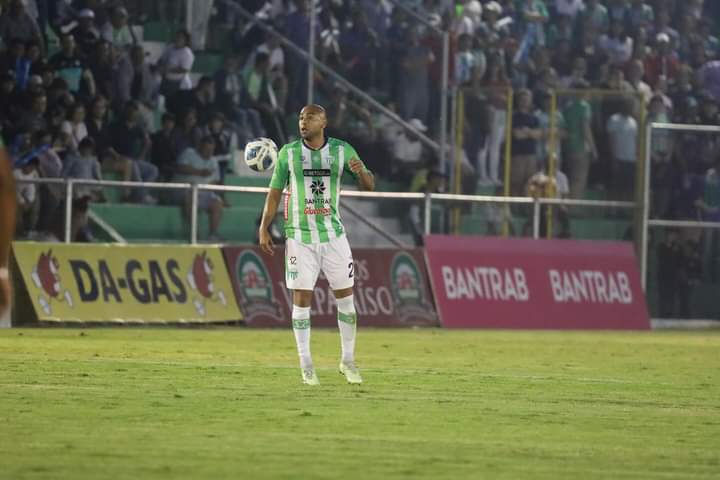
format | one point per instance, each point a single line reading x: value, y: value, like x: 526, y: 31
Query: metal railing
x: 537, y: 203
x: 647, y: 222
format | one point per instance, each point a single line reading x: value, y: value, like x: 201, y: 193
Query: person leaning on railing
x: 525, y: 134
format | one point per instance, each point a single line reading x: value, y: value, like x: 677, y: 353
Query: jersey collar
x: 316, y: 149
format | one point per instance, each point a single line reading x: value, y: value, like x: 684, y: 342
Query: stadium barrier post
x: 552, y: 162
x: 459, y: 152
x: 311, y: 54
x: 444, y: 97
x: 536, y: 218
x: 645, y: 208
x: 508, y: 154
x: 641, y: 185
x: 428, y: 213
x: 194, y: 215
x: 68, y: 209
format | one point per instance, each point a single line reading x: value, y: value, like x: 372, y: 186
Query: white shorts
x: 304, y: 262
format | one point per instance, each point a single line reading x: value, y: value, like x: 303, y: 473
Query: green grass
x: 227, y: 403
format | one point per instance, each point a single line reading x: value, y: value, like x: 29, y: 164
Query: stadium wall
x: 483, y: 283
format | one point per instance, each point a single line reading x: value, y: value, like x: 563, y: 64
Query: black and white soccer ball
x: 261, y: 154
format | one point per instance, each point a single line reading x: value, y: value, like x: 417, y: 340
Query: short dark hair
x: 206, y: 140
x: 168, y: 117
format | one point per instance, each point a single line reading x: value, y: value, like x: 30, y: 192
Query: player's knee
x: 302, y: 298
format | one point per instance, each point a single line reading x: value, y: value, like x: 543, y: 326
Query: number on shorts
x: 351, y: 266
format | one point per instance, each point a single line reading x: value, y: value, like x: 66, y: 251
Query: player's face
x: 311, y: 122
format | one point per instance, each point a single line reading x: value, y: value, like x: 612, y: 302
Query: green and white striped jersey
x: 313, y: 178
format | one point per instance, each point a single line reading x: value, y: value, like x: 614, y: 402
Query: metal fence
x: 536, y: 203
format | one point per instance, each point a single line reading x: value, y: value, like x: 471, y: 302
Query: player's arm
x: 272, y: 201
x: 7, y: 224
x: 363, y: 176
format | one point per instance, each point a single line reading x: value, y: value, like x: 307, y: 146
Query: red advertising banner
x: 538, y: 284
x: 391, y: 289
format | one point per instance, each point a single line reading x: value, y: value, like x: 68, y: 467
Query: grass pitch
x: 201, y: 404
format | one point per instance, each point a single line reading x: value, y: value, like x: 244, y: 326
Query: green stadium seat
x: 207, y: 63
x: 163, y: 223
x: 158, y: 32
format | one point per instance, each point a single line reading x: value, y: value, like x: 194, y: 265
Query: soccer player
x: 7, y: 225
x: 313, y: 169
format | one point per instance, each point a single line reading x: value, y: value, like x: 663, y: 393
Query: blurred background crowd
x: 84, y: 95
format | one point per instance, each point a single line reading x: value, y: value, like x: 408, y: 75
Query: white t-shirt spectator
x: 618, y: 50
x: 568, y: 7
x: 26, y: 192
x: 184, y: 58
x: 76, y: 131
x: 623, y: 132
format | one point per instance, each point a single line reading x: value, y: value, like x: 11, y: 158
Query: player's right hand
x: 266, y: 242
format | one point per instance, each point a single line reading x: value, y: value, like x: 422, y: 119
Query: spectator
x: 85, y: 34
x: 117, y: 31
x: 358, y: 45
x: 17, y: 24
x: 72, y: 69
x: 297, y: 30
x: 616, y: 44
x: 25, y: 167
x: 541, y: 185
x: 232, y: 100
x: 201, y: 99
x: 622, y: 130
x: 710, y: 76
x: 84, y: 165
x: 639, y: 15
x: 636, y: 70
x: 495, y: 83
x: 594, y: 17
x: 176, y: 63
x: 103, y: 65
x: 130, y: 141
x: 199, y: 166
x: 709, y: 207
x: 164, y: 154
x: 276, y: 72
x: 33, y: 117
x: 258, y: 92
x: 408, y: 153
x: 663, y: 62
x: 414, y: 78
x: 427, y: 181
x: 49, y: 166
x: 525, y: 135
x: 553, y: 133
x: 11, y: 59
x: 188, y: 133
x: 75, y: 126
x: 136, y: 80
x: 661, y: 151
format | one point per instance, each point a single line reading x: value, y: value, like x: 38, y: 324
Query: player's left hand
x: 356, y: 166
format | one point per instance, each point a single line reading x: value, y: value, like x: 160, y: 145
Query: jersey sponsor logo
x: 257, y: 297
x: 320, y: 172
x: 408, y: 289
x: 317, y: 206
x: 317, y: 187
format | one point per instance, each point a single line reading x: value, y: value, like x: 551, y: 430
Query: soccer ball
x: 261, y: 154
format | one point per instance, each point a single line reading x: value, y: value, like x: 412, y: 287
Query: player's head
x: 312, y: 121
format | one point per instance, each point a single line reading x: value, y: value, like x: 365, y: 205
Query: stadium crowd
x: 89, y: 108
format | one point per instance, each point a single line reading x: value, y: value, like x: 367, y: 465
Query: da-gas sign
x: 116, y: 283
x: 391, y: 289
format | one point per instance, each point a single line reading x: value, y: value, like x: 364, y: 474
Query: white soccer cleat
x: 351, y: 372
x: 309, y: 377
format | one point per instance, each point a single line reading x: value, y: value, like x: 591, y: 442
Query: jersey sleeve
x: 281, y: 172
x: 350, y: 153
